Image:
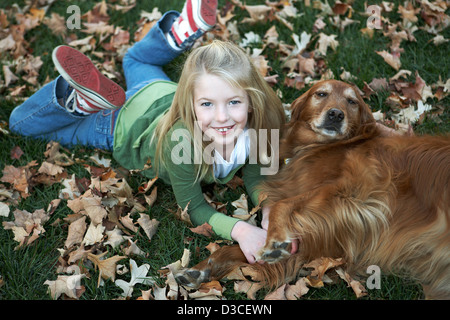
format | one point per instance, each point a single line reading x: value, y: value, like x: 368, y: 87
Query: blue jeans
x: 42, y: 117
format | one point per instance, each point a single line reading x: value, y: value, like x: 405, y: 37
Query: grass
x: 24, y: 271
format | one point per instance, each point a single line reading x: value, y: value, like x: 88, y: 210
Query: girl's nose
x: 222, y: 114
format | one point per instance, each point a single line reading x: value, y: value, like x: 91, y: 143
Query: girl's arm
x: 187, y: 192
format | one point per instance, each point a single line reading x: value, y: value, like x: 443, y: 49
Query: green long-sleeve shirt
x: 133, y: 149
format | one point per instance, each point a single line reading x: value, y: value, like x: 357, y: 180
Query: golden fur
x: 349, y: 192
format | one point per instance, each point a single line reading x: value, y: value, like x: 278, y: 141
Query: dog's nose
x: 335, y: 115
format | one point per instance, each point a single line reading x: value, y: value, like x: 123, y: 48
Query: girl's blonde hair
x: 229, y: 62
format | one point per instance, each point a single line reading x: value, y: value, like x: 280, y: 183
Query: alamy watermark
x: 374, y: 20
x: 374, y: 280
x: 184, y: 153
x: 74, y: 20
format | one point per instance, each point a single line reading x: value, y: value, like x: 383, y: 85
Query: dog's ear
x: 298, y: 105
x: 366, y: 116
x: 367, y: 125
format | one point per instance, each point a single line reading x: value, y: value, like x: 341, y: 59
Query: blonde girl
x: 220, y: 118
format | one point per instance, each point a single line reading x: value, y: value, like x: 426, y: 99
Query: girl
x: 199, y: 131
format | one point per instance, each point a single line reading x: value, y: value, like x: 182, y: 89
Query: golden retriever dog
x: 350, y: 192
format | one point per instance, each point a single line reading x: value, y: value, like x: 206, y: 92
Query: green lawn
x: 24, y: 271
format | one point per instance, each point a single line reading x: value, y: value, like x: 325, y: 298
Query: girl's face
x: 222, y: 111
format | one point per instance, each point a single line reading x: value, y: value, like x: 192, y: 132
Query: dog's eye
x: 321, y: 94
x: 350, y: 101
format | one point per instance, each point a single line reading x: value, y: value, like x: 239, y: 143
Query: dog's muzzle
x: 333, y: 120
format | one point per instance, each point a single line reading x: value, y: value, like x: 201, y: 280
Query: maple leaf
x: 50, y: 168
x: 325, y: 42
x: 53, y: 155
x: 19, y: 178
x: 70, y: 190
x: 94, y: 234
x: 68, y: 285
x: 138, y: 275
x: 106, y: 267
x: 320, y: 266
x: 27, y: 227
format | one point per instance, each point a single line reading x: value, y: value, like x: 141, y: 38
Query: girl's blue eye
x: 206, y: 104
x: 234, y: 102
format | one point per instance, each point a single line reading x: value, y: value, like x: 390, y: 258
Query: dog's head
x: 330, y: 111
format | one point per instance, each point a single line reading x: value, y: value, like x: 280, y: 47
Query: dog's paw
x: 192, y: 278
x: 275, y: 251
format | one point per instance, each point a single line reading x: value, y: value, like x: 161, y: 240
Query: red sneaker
x: 197, y: 17
x: 93, y: 90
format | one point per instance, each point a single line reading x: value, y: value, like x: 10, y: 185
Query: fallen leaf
x: 94, y: 234
x: 4, y: 210
x: 325, y: 42
x: 205, y: 229
x: 138, y: 275
x: 357, y: 287
x: 149, y: 226
x: 106, y: 267
x: 76, y: 232
x: 68, y: 285
x: 27, y: 227
x: 392, y: 60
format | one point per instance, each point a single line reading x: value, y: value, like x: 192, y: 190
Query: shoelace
x: 70, y: 101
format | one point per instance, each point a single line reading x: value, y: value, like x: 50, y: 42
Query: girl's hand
x: 250, y: 238
x: 265, y: 217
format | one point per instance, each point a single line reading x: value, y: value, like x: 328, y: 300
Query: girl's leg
x: 171, y: 35
x: 42, y: 116
x: 143, y: 62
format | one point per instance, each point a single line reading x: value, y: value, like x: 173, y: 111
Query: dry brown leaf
x: 149, y: 225
x: 320, y: 266
x: 278, y: 294
x: 392, y: 59
x: 258, y: 13
x: 94, y: 234
x: 294, y: 292
x: 204, y: 229
x: 325, y: 42
x: 56, y: 23
x: 68, y: 285
x: 9, y: 76
x: 19, y: 178
x: 4, y: 210
x: 50, y: 168
x: 208, y: 291
x: 27, y: 227
x: 152, y: 197
x: 357, y: 287
x: 106, y: 267
x: 76, y: 232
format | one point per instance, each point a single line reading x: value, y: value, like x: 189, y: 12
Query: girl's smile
x: 221, y: 110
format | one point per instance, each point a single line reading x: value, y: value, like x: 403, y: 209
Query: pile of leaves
x: 106, y: 218
x: 106, y: 214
